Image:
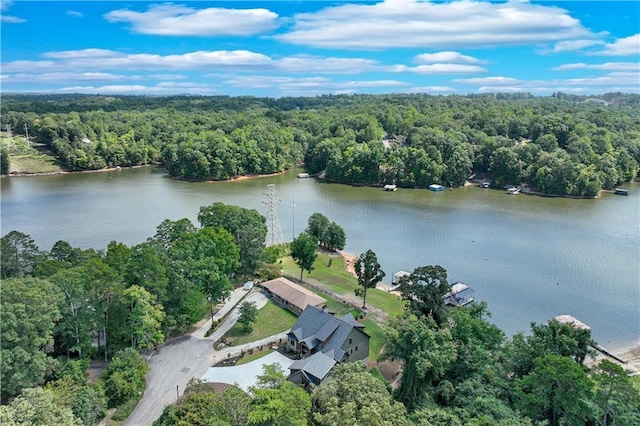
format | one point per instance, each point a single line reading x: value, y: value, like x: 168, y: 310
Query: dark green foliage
x: 247, y: 226
x: 303, y: 252
x: 248, y: 315
x: 125, y: 378
x: 425, y: 351
x: 557, y: 390
x: 423, y: 291
x: 5, y: 161
x: 202, y: 406
x: 355, y: 397
x: 37, y: 406
x: 617, y: 400
x: 330, y: 235
x: 276, y: 401
x: 369, y: 274
x: 20, y: 255
x: 28, y: 312
x: 554, y: 144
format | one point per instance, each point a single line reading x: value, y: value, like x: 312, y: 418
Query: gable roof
x: 315, y: 327
x: 297, y: 295
x: 316, y: 365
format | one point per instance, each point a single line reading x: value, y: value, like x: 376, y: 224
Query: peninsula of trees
x: 563, y: 144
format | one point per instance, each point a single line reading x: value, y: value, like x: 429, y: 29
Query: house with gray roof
x: 337, y: 340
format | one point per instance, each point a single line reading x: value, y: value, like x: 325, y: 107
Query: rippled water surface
x: 529, y: 257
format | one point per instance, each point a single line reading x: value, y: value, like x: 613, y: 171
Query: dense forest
x: 64, y: 307
x: 563, y: 144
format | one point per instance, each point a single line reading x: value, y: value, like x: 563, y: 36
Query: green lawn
x: 272, y: 319
x: 339, y: 280
x: 254, y: 356
x: 377, y: 338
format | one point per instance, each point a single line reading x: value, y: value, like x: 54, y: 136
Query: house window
x: 350, y: 341
x: 356, y: 349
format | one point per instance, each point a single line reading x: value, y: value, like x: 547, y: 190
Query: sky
x: 309, y: 48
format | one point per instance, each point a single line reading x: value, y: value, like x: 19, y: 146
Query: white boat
x: 513, y: 191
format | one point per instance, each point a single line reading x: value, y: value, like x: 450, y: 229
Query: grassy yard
x: 332, y: 272
x: 272, y: 319
x: 26, y: 159
x: 254, y: 356
x: 377, y: 338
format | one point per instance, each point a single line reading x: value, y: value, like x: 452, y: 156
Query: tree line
x: 455, y: 368
x: 557, y: 145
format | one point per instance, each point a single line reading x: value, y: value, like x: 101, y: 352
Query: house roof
x: 315, y: 326
x: 297, y: 295
x: 317, y: 365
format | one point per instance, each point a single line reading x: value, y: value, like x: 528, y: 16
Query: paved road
x: 177, y: 361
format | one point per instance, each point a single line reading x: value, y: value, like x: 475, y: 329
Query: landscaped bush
x: 125, y: 379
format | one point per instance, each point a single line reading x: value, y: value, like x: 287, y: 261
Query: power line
x: 274, y: 235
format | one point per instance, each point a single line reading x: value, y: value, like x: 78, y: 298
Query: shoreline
x: 629, y: 352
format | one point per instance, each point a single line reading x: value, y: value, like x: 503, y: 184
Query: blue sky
x: 307, y: 48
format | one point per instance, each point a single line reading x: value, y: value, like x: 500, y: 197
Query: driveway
x: 174, y: 363
x: 245, y: 375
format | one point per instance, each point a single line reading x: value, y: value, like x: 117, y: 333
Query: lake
x: 531, y: 258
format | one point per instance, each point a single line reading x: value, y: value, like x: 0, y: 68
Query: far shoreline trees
x: 559, y: 144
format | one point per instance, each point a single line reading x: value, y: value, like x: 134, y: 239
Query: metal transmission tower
x: 274, y: 235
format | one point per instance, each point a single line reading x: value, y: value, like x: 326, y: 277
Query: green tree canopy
x: 354, y: 397
x: 29, y: 310
x: 303, y: 252
x: 424, y: 291
x: 369, y: 274
x: 557, y: 390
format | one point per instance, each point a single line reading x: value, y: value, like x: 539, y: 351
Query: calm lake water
x: 531, y: 258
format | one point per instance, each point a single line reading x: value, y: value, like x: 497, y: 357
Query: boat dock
x: 390, y: 187
x: 620, y: 191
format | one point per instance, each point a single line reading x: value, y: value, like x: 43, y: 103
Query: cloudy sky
x: 306, y: 48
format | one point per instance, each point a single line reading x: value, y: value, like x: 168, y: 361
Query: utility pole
x: 293, y: 219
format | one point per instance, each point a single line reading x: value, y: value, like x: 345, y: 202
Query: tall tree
x: 20, y: 255
x: 29, y: 310
x: 317, y: 226
x: 145, y: 317
x: 37, y: 406
x: 248, y: 315
x: 277, y: 401
x: 354, y: 397
x: 369, y: 274
x: 76, y: 325
x: 424, y: 291
x: 334, y: 237
x: 615, y: 395
x: 425, y: 351
x: 557, y: 390
x: 303, y: 252
x: 247, y: 226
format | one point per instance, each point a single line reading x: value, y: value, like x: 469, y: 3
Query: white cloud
x: 432, y: 89
x: 4, y: 6
x: 308, y: 86
x: 326, y: 65
x: 621, y: 47
x: 159, y: 89
x: 571, y: 45
x: 615, y: 81
x: 67, y: 77
x: 448, y: 57
x: 173, y: 20
x: 440, y: 69
x: 74, y: 13
x: 607, y: 66
x: 412, y: 23
x: 488, y: 80
x: 100, y: 59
